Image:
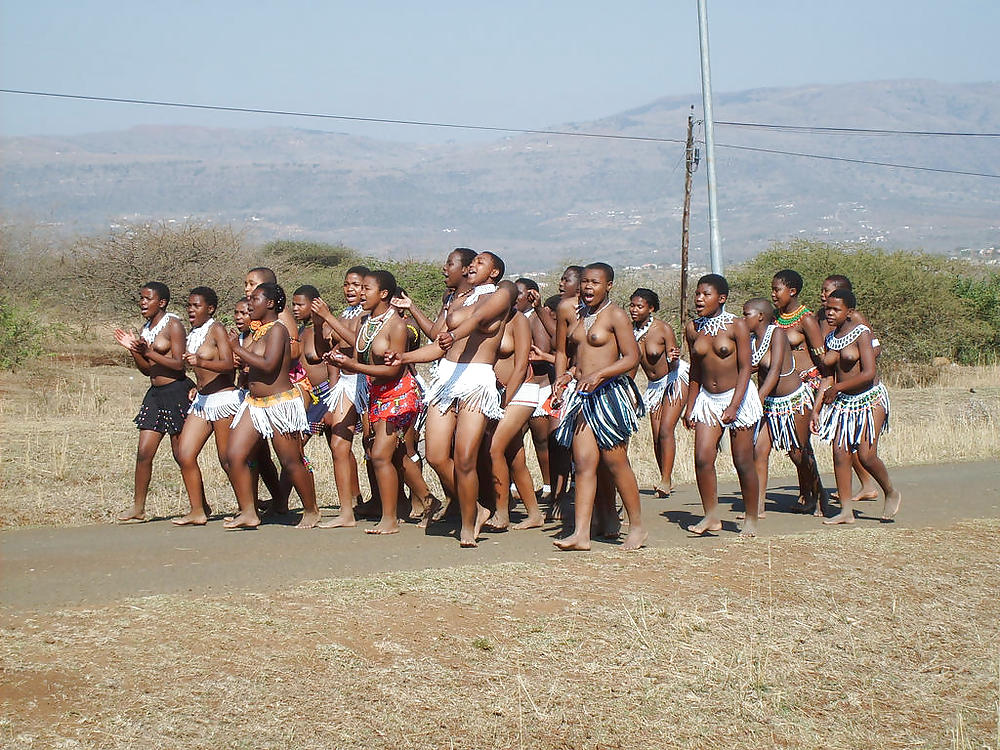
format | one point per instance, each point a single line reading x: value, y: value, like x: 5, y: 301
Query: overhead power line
x: 495, y: 129
x: 348, y: 118
x: 851, y: 131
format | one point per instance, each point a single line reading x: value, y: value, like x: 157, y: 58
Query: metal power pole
x: 690, y: 165
x: 706, y: 95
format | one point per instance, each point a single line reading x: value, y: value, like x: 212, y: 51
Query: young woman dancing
x: 464, y: 396
x: 272, y: 410
x: 393, y: 393
x: 667, y: 373
x: 158, y: 353
x: 854, y: 409
x: 209, y: 354
x: 806, y: 343
x: 787, y: 401
x: 601, y: 407
x: 519, y: 402
x: 721, y: 400
x: 347, y: 397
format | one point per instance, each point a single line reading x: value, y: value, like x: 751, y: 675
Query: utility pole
x: 690, y: 165
x: 706, y: 95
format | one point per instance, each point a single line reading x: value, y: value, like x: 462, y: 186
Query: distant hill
x: 540, y: 199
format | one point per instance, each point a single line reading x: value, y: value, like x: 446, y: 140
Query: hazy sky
x: 512, y: 64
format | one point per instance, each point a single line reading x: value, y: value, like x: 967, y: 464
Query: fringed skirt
x: 470, y: 384
x: 612, y: 412
x: 851, y: 417
x: 708, y: 408
x: 165, y: 407
x: 320, y: 406
x: 527, y: 395
x: 281, y: 413
x: 352, y: 387
x: 779, y: 414
x: 221, y: 405
x: 397, y: 403
x: 669, y: 387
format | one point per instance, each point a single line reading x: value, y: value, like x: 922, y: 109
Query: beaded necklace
x: 477, y: 292
x: 198, y: 335
x: 787, y: 321
x: 149, y: 334
x: 834, y: 343
x: 352, y: 312
x: 368, y: 332
x: 262, y: 330
x: 714, y: 325
x: 640, y: 332
x: 591, y: 315
x: 757, y: 354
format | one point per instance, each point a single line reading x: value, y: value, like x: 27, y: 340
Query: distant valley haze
x: 538, y: 199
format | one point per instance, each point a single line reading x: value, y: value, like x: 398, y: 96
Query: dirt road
x: 47, y: 568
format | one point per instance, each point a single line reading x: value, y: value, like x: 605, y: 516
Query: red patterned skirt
x: 398, y: 402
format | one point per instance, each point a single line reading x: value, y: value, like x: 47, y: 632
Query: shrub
x: 909, y: 297
x: 20, y: 335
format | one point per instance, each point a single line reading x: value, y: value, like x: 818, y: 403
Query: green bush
x: 911, y: 298
x: 982, y: 298
x: 20, y: 335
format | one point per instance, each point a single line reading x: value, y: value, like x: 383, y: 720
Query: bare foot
x: 663, y: 489
x: 573, y: 543
x: 432, y: 507
x: 191, y: 519
x: 481, y: 515
x: 309, y: 520
x: 749, y: 530
x: 497, y: 522
x: 135, y: 514
x: 636, y: 539
x: 891, y: 507
x: 535, y: 521
x: 384, y: 527
x: 442, y: 508
x: 869, y: 492
x: 704, y: 526
x: 842, y: 517
x: 342, y: 521
x: 416, y: 509
x: 242, y: 521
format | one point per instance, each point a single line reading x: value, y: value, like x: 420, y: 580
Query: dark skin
x: 268, y: 359
x: 720, y: 363
x: 658, y: 355
x: 473, y: 334
x: 854, y: 371
x: 541, y: 341
x: 386, y: 449
x: 214, y: 373
x: 605, y: 351
x: 163, y: 363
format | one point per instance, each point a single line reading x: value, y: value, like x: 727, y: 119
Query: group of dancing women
x: 506, y: 364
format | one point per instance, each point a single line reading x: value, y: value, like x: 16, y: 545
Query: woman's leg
x: 268, y: 474
x: 706, y: 448
x: 438, y: 436
x: 243, y: 443
x: 540, y: 429
x: 586, y: 456
x: 617, y: 463
x: 761, y: 455
x: 288, y: 446
x: 340, y: 428
x: 868, y: 456
x: 469, y: 429
x: 517, y: 458
x: 842, y: 472
x: 741, y: 443
x: 149, y: 441
x: 807, y: 468
x: 507, y: 430
x: 193, y: 438
x: 385, y: 454
x: 670, y: 414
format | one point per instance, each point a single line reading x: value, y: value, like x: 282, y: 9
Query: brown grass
x: 800, y: 642
x: 67, y: 441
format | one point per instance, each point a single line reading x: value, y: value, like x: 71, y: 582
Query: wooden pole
x: 689, y: 167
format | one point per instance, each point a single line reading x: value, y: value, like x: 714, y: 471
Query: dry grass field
x: 67, y: 442
x: 876, y: 638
